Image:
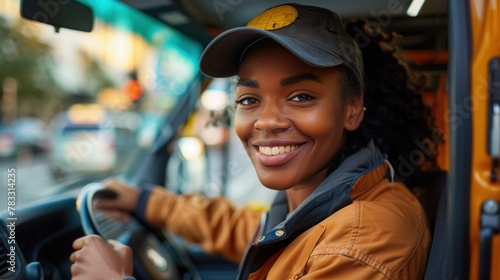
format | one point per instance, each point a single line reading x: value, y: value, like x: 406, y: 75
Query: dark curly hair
x: 396, y: 118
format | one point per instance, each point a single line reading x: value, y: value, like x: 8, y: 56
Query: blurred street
x: 33, y: 177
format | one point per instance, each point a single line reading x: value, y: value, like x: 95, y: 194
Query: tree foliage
x: 24, y: 57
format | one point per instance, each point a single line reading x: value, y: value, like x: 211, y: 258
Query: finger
x: 104, y: 204
x: 106, y: 194
x: 74, y: 271
x: 115, y: 244
x: 119, y: 247
x: 122, y: 249
x: 72, y: 257
x: 78, y: 272
x: 78, y: 243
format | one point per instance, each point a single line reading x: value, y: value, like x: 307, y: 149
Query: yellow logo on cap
x: 275, y: 18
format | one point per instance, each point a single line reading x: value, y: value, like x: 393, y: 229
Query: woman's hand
x: 95, y: 258
x: 125, y: 201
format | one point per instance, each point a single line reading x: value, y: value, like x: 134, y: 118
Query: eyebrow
x: 284, y: 82
x: 300, y: 78
x: 247, y: 83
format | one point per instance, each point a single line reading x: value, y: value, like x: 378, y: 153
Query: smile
x: 276, y: 150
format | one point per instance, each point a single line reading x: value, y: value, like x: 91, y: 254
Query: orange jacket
x: 374, y: 229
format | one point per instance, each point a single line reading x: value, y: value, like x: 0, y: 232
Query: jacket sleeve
x: 216, y: 224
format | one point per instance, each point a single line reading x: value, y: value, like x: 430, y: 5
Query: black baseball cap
x: 314, y: 34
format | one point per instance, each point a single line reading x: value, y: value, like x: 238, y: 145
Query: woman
x: 325, y: 128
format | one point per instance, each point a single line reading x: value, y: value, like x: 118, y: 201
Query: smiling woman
x: 343, y: 211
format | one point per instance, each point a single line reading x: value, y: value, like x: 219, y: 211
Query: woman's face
x: 291, y: 117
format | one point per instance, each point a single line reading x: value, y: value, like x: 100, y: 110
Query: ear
x: 354, y: 113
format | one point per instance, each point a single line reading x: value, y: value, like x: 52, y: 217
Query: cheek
x: 242, y: 126
x: 320, y: 124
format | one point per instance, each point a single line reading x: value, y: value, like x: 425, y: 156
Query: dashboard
x: 38, y: 240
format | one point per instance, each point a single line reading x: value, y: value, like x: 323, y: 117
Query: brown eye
x: 302, y: 97
x: 246, y: 101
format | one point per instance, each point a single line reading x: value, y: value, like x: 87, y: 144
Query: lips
x: 277, y: 154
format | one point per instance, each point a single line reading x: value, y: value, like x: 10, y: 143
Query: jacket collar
x: 354, y: 176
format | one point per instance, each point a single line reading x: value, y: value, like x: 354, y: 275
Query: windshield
x: 77, y: 105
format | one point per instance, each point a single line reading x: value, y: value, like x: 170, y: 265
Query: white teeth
x: 272, y: 151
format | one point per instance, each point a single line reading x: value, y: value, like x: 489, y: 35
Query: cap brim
x: 221, y: 58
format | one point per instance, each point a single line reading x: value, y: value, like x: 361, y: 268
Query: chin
x: 276, y: 183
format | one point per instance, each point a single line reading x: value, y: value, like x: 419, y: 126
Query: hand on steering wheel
x: 151, y: 260
x: 95, y: 258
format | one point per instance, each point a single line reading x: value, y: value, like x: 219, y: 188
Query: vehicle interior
x: 452, y: 43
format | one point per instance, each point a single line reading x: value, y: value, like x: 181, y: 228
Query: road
x: 31, y: 177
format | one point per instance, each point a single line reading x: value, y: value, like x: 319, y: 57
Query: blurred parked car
x: 25, y: 134
x: 30, y: 134
x: 7, y: 144
x: 84, y: 140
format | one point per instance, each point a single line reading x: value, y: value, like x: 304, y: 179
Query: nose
x: 272, y: 119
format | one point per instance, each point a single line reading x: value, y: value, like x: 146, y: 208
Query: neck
x: 298, y: 193
x: 295, y: 196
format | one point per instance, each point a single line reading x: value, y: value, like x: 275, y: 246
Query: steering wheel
x: 151, y: 259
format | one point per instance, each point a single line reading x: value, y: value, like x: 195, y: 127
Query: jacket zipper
x: 247, y: 259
